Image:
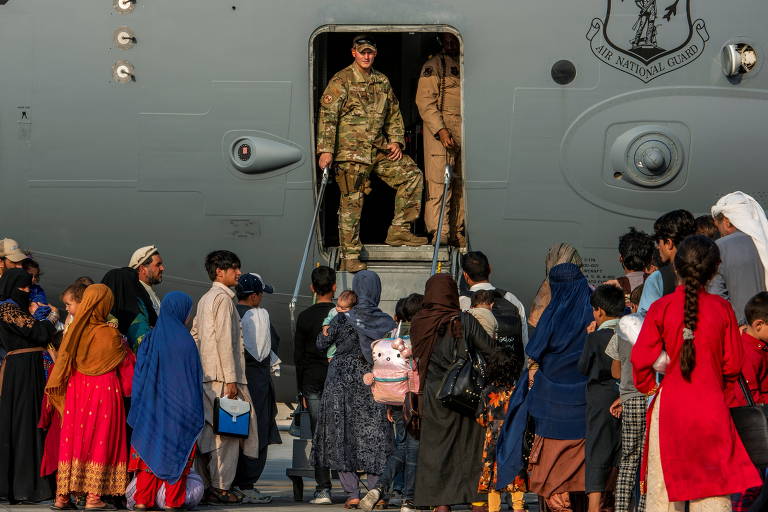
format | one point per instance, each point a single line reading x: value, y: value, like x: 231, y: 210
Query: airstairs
x: 403, y: 270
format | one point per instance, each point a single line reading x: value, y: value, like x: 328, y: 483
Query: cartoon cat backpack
x: 394, y: 372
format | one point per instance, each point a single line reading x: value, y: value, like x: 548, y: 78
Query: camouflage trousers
x: 354, y: 182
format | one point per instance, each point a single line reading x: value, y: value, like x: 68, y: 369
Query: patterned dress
x: 93, y: 452
x: 352, y: 432
x: 492, y: 419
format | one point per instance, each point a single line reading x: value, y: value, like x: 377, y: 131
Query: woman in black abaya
x: 22, y: 383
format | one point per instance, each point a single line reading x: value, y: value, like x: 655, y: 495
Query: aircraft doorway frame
x: 313, y: 61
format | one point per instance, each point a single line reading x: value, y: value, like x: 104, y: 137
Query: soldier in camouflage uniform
x: 360, y: 127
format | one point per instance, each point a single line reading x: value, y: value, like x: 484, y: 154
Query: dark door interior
x: 400, y: 57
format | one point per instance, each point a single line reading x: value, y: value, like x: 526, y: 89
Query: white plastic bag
x: 194, y: 495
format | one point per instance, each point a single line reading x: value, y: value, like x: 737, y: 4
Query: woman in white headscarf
x: 743, y: 248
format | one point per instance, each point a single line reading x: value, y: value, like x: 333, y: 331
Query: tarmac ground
x: 273, y: 483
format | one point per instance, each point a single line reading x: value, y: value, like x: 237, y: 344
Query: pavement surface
x: 273, y: 483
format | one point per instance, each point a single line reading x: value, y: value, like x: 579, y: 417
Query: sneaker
x: 408, y: 506
x: 254, y: 496
x: 395, y: 498
x: 322, y: 497
x: 370, y: 500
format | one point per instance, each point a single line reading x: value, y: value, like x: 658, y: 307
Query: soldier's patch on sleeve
x: 328, y: 99
x: 427, y: 71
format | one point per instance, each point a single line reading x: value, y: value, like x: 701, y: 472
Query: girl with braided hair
x: 690, y: 435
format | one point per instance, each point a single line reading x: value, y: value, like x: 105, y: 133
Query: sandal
x: 68, y: 506
x: 222, y: 496
x: 102, y: 506
x: 351, y: 503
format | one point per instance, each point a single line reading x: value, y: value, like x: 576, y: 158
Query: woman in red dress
x: 693, y: 452
x: 93, y: 371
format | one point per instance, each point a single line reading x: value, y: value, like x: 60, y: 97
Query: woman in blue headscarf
x: 352, y: 431
x: 552, y: 394
x: 167, y: 406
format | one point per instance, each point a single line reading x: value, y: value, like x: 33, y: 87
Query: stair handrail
x: 447, y: 175
x: 310, y: 236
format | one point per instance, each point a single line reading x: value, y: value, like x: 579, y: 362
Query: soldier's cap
x: 252, y: 283
x: 9, y: 248
x: 364, y: 42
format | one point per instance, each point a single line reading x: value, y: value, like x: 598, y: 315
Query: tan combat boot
x: 352, y: 265
x: 401, y: 235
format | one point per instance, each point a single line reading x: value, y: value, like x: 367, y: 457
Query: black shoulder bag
x: 462, y: 387
x: 752, y: 424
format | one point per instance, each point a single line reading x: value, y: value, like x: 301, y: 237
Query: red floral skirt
x: 93, y: 454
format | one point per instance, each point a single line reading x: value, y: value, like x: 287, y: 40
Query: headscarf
x: 747, y: 216
x: 441, y: 304
x: 167, y: 400
x: 557, y: 400
x: 91, y: 346
x: 12, y: 280
x: 370, y: 322
x: 557, y: 254
x: 125, y: 286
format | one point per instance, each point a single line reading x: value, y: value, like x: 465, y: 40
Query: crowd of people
x: 117, y: 397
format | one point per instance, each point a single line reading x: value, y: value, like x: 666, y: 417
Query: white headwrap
x: 257, y: 337
x: 747, y: 216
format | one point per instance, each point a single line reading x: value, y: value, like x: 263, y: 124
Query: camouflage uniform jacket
x: 359, y: 115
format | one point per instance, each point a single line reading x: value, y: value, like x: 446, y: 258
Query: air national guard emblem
x: 647, y: 38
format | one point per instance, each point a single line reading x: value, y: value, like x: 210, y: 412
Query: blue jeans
x: 322, y: 475
x: 403, y: 459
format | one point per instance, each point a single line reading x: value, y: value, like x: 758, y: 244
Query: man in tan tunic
x: 438, y: 98
x: 216, y: 330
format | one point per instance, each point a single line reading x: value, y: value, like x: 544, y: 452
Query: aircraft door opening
x: 402, y: 54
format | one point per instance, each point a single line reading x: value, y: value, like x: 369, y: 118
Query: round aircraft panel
x: 122, y: 72
x: 648, y: 156
x: 124, y: 6
x: 663, y: 148
x: 124, y: 38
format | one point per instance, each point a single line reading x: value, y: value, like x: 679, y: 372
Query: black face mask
x: 21, y: 298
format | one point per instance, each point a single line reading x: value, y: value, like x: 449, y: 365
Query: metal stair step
x: 402, y: 254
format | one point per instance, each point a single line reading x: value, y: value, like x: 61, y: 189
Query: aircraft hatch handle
x: 310, y: 236
x: 447, y: 175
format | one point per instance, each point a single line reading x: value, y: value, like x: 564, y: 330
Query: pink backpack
x: 393, y: 373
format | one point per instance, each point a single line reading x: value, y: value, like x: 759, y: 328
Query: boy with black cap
x: 257, y: 340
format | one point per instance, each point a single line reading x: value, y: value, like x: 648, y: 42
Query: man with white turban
x: 743, y: 247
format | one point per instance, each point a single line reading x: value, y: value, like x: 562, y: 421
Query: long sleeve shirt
x: 359, y: 115
x: 216, y: 330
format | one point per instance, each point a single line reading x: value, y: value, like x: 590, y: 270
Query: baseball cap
x: 364, y: 42
x: 140, y: 255
x: 10, y: 250
x: 252, y: 283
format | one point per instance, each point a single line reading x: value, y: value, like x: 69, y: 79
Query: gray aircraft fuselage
x: 109, y: 143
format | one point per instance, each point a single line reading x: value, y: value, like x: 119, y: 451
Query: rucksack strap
x: 625, y: 284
